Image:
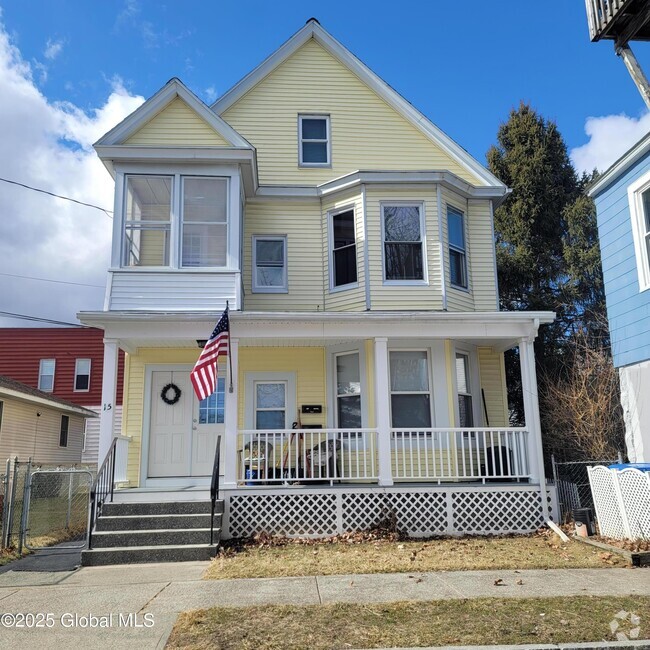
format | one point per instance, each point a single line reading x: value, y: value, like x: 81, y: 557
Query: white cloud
x: 610, y: 136
x: 49, y: 145
x: 53, y: 49
x: 211, y: 93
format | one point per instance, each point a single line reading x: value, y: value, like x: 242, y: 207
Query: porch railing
x: 337, y: 455
x: 307, y: 455
x: 600, y: 13
x: 460, y: 454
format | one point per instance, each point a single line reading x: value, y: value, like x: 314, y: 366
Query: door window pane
x: 212, y: 408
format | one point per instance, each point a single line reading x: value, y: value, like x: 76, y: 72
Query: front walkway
x: 165, y: 590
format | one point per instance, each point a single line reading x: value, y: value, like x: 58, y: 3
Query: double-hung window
x: 463, y: 383
x: 46, y: 375
x: 147, y: 220
x: 63, y: 432
x: 270, y: 404
x: 457, y: 248
x: 348, y: 391
x: 204, y: 221
x: 344, y: 249
x: 639, y: 199
x: 410, y: 392
x: 82, y: 375
x: 403, y: 242
x: 314, y: 141
x: 270, y: 264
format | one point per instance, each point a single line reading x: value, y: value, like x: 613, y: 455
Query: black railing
x: 102, y: 489
x: 214, y: 487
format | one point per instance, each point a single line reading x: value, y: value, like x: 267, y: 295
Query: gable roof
x: 166, y: 95
x: 313, y: 30
x: 631, y: 156
x: 12, y: 388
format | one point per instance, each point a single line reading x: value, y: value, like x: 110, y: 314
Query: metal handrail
x: 102, y: 488
x: 214, y: 487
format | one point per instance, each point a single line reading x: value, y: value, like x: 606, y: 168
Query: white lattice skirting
x: 420, y: 512
x: 622, y: 502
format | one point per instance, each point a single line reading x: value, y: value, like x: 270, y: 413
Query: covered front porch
x: 326, y: 399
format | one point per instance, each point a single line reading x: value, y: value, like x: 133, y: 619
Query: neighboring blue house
x: 622, y: 197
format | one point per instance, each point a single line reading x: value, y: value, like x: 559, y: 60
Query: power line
x: 36, y: 318
x: 76, y: 284
x: 108, y: 213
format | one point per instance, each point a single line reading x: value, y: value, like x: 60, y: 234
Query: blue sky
x: 463, y: 69
x: 71, y: 69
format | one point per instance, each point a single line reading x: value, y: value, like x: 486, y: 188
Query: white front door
x: 183, y: 435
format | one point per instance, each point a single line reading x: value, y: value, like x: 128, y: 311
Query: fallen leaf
x: 499, y: 583
x: 520, y: 581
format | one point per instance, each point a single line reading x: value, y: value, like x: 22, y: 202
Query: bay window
x: 344, y: 249
x: 403, y: 238
x: 457, y: 248
x: 175, y: 221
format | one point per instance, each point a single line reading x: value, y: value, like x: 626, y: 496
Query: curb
x: 591, y: 645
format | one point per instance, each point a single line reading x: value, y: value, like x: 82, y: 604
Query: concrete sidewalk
x: 159, y: 592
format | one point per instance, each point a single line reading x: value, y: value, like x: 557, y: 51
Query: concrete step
x: 145, y: 554
x: 160, y: 508
x: 155, y: 522
x: 136, y: 538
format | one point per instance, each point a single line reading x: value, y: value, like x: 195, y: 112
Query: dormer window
x: 175, y: 221
x: 314, y: 141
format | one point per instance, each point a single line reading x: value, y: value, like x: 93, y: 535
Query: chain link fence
x: 572, y: 483
x: 44, y: 505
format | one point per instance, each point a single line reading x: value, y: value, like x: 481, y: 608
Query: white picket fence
x: 622, y: 502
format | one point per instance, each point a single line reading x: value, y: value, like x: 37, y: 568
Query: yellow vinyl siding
x: 403, y: 296
x: 366, y: 132
x: 301, y: 222
x: 482, y: 262
x: 134, y: 396
x: 26, y: 435
x: 177, y: 125
x: 309, y: 365
x: 353, y: 299
x: 493, y: 382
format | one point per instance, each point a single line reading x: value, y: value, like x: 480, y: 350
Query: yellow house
x: 353, y: 243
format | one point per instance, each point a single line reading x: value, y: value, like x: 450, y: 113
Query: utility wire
x: 108, y: 213
x: 76, y: 284
x: 41, y: 320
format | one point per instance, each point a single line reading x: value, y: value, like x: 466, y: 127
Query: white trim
x: 6, y: 393
x: 313, y: 30
x: 40, y: 374
x: 637, y: 214
x: 328, y: 140
x: 171, y: 90
x: 423, y: 243
x: 285, y: 270
x: 330, y: 248
x: 76, y: 373
x: 250, y: 378
x: 366, y: 255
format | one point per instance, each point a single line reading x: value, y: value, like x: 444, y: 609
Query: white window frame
x: 635, y: 198
x: 330, y: 244
x: 76, y: 374
x: 430, y: 393
x: 474, y: 384
x: 423, y: 243
x: 67, y: 432
x: 470, y: 384
x: 40, y: 374
x: 234, y: 210
x: 328, y: 141
x: 252, y: 378
x: 263, y: 289
x: 456, y: 249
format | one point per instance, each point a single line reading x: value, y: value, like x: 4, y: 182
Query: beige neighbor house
x: 37, y: 425
x: 353, y: 241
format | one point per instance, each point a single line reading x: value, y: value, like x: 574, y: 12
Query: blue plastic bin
x: 644, y: 467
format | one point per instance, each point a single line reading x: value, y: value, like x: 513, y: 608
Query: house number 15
x: 107, y: 407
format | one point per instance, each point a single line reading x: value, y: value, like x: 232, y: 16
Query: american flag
x: 204, y: 373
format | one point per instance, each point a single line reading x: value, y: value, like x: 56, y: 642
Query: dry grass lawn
x: 289, y: 558
x: 452, y: 622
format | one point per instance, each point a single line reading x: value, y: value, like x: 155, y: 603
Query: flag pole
x: 230, y: 388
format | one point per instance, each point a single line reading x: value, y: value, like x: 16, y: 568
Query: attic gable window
x: 314, y: 141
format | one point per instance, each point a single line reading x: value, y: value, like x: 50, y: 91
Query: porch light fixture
x: 201, y: 342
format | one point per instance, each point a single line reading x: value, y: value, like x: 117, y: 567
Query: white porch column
x: 382, y: 410
x: 229, y: 442
x: 109, y: 392
x: 531, y: 410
